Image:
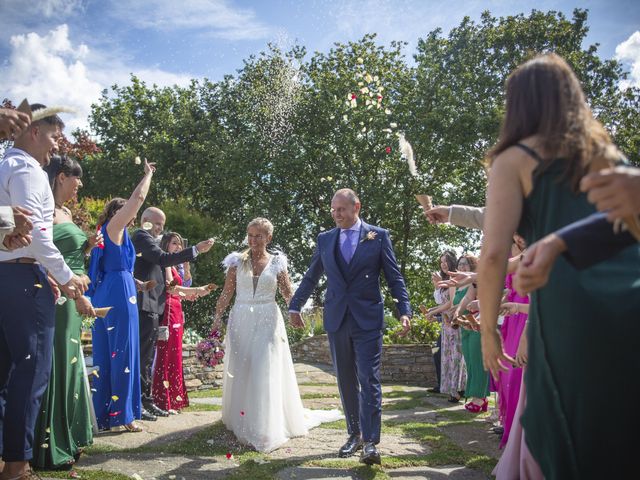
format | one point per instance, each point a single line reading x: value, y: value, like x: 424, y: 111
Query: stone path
x: 148, y: 455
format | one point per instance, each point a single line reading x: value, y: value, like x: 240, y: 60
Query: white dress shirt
x: 24, y: 183
x: 355, y: 237
x: 6, y: 224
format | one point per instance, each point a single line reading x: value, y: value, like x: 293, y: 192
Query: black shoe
x: 453, y: 399
x: 498, y: 430
x: 149, y: 417
x: 370, y: 454
x: 153, y: 409
x: 433, y: 390
x: 351, y: 447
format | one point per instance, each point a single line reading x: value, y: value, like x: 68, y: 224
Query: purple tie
x: 347, y: 248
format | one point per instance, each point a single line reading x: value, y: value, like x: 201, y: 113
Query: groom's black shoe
x: 351, y: 447
x: 147, y: 416
x: 153, y: 409
x: 370, y: 454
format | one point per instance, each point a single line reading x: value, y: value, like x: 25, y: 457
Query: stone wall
x: 411, y: 364
x: 196, y: 376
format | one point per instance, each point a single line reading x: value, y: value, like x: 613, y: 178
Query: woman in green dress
x: 583, y: 327
x: 477, y: 388
x: 64, y: 425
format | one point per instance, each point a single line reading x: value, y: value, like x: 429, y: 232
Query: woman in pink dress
x: 169, y: 391
x: 509, y: 381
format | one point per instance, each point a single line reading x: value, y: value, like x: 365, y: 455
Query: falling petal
x: 251, y: 309
x: 113, y: 354
x: 229, y: 375
x: 176, y: 325
x: 61, y: 300
x: 139, y: 254
x: 74, y: 360
x: 133, y: 299
x: 360, y: 60
x: 115, y: 398
x: 166, y: 384
x: 95, y: 373
x: 393, y: 125
x: 114, y: 414
x: 73, y: 340
x: 76, y: 396
x: 147, y: 226
x: 110, y: 328
x: 137, y: 161
x: 229, y: 456
x: 126, y: 370
x: 179, y: 398
x: 48, y: 430
x: 37, y: 285
x: 45, y: 445
x: 242, y: 413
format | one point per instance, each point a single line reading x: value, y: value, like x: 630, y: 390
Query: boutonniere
x: 369, y: 236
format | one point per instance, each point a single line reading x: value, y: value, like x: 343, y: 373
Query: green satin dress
x: 477, y: 378
x: 64, y: 426
x: 581, y: 419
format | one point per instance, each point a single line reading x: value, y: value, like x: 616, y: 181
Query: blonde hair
x: 263, y: 224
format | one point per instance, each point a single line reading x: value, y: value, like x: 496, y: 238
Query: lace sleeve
x: 280, y: 262
x: 231, y: 260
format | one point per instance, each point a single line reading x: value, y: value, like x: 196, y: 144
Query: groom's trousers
x: 356, y: 357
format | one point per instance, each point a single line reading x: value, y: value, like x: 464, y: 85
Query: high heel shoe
x: 475, y: 408
x: 485, y: 405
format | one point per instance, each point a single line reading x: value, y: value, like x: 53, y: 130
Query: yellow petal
x: 74, y: 360
x: 37, y: 285
x: 115, y: 398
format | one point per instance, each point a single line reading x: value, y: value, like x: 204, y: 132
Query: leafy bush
x: 422, y: 331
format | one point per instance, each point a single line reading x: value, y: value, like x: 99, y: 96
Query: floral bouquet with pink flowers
x: 210, y: 351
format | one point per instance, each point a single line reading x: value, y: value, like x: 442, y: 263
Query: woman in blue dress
x: 117, y: 399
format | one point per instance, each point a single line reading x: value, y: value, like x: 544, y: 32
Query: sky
x: 66, y: 52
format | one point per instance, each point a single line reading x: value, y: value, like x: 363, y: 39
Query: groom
x: 352, y: 256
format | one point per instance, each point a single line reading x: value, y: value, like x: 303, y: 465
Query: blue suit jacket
x: 593, y: 240
x: 359, y: 288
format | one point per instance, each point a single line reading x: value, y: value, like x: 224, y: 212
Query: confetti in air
x: 74, y: 360
x: 407, y: 154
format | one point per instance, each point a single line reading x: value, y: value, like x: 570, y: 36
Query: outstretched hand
x: 537, y: 262
x: 437, y: 215
x: 494, y: 357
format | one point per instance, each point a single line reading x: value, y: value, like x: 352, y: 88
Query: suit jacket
x: 150, y: 263
x: 464, y: 216
x: 593, y: 240
x: 358, y: 288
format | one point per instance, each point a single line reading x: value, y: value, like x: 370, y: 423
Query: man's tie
x: 347, y: 248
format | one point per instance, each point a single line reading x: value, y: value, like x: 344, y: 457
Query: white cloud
x: 217, y: 18
x: 629, y: 52
x: 51, y: 69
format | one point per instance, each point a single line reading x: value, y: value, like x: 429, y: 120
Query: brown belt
x: 20, y: 260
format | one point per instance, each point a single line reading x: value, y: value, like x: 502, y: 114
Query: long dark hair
x: 544, y: 98
x: 452, y: 262
x: 62, y: 164
x: 110, y: 209
x: 166, y: 240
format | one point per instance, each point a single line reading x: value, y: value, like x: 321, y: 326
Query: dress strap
x: 530, y: 151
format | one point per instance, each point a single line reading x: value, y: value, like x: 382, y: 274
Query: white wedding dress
x: 260, y: 398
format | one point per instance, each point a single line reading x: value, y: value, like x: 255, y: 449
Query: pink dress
x: 508, y: 385
x: 516, y: 462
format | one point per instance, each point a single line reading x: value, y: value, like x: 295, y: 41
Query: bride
x: 260, y: 398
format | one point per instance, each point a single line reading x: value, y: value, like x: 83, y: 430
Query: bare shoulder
x: 518, y: 162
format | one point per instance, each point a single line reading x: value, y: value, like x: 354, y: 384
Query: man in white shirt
x: 27, y: 308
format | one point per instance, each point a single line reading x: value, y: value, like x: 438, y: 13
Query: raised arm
x: 115, y: 228
x: 225, y: 297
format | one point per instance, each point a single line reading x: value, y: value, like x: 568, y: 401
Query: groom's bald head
x: 345, y: 208
x: 349, y: 194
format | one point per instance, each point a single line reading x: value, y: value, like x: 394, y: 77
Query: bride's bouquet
x: 210, y: 351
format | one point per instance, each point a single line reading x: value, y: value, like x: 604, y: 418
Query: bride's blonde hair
x: 263, y: 224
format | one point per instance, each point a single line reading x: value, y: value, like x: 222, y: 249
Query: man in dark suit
x: 352, y: 255
x: 150, y: 264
